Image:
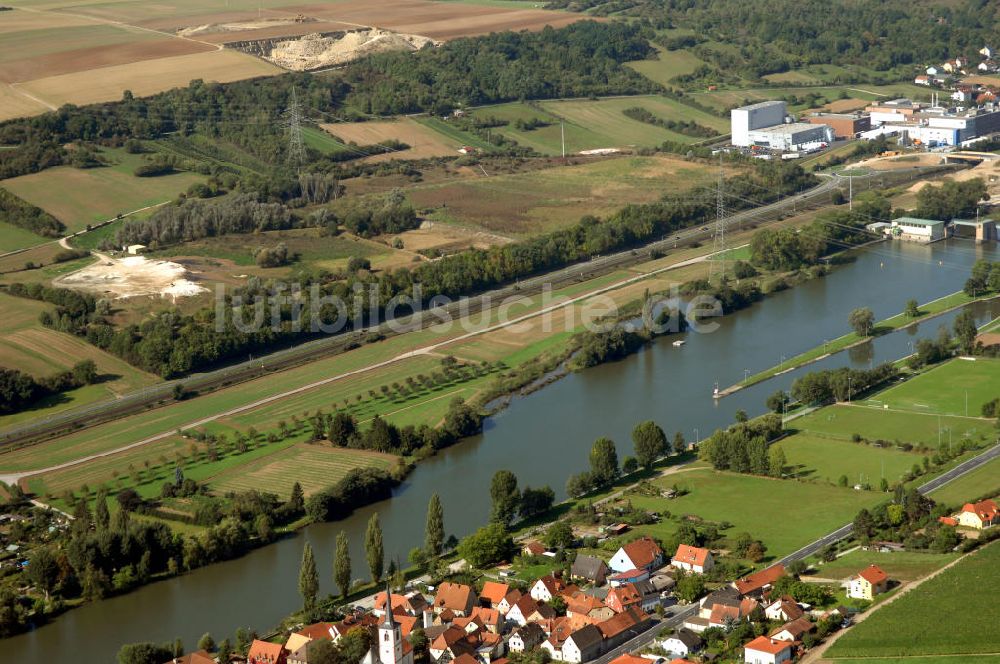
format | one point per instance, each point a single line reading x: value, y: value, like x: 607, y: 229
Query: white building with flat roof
x: 790, y: 136
x: 755, y: 116
x: 918, y: 230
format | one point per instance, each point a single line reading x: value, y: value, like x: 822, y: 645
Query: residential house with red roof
x: 624, y: 597
x: 533, y: 549
x: 784, y: 609
x: 642, y: 553
x: 983, y: 514
x: 589, y: 607
x: 297, y: 641
x: 793, y: 630
x: 622, y: 627
x: 199, y: 657
x: 629, y: 658
x: 547, y: 587
x: 764, y: 650
x: 263, y: 652
x: 493, y: 593
x: 527, y: 610
x: 456, y: 597
x: 693, y: 559
x: 682, y: 643
x: 509, y: 600
x: 867, y: 583
x: 759, y: 582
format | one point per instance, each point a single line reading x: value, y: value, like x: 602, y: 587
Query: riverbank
x: 928, y: 311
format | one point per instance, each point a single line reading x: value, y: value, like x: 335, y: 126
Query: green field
x: 667, y: 65
x: 954, y: 613
x: 311, y: 246
x: 596, y: 124
x: 769, y: 509
x: 981, y: 481
x: 901, y: 566
x: 726, y: 99
x: 841, y: 421
x: 810, y: 457
x: 87, y: 196
x: 14, y: 237
x: 315, y: 467
x: 526, y: 204
x: 819, y: 74
x: 958, y: 387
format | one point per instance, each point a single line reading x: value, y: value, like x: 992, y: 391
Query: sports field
x: 313, y: 466
x: 826, y: 459
x: 900, y: 566
x: 958, y: 387
x: 841, y: 421
x: 526, y: 204
x: 93, y: 195
x: 751, y: 504
x: 952, y: 614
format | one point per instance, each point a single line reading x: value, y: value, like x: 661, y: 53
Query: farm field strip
x: 953, y: 613
x: 423, y: 141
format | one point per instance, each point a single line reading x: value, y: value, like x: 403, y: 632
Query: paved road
x: 682, y: 613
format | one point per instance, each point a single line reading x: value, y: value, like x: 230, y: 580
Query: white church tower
x: 392, y: 647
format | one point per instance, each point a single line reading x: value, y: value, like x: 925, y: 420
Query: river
x: 543, y: 438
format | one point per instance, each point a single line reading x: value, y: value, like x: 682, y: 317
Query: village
x: 641, y: 606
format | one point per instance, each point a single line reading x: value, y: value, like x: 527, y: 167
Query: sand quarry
x: 134, y: 276
x: 315, y: 51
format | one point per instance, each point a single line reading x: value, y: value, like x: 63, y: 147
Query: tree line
x: 19, y: 390
x: 19, y: 213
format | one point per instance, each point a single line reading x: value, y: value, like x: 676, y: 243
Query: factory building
x: 790, y: 137
x: 756, y: 116
x: 844, y: 125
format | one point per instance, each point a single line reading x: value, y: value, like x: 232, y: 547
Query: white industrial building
x: 918, y: 230
x: 745, y: 119
x: 790, y: 137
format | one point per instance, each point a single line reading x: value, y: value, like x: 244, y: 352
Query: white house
x: 582, y: 645
x: 681, y: 643
x: 641, y: 554
x: 764, y: 650
x: 692, y: 559
x: 546, y: 588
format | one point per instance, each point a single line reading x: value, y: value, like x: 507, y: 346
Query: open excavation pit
x: 244, y: 26
x: 134, y: 276
x: 319, y: 50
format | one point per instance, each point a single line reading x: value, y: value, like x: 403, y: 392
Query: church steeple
x: 390, y: 635
x: 390, y: 621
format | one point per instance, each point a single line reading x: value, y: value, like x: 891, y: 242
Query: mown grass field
x: 951, y: 614
x: 943, y: 389
x: 92, y: 195
x: 14, y: 237
x: 751, y: 504
x: 527, y: 204
x: 981, y: 481
x: 841, y: 421
x: 827, y: 460
x: 902, y: 566
x: 313, y: 466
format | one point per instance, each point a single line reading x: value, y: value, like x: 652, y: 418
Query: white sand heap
x: 135, y: 276
x: 315, y: 51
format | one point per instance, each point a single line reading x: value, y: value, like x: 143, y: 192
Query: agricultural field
x: 14, y: 237
x: 667, y: 65
x: 29, y: 347
x: 823, y: 459
x: 953, y: 613
x: 92, y: 195
x: 841, y: 421
x: 540, y: 201
x: 900, y: 566
x: 819, y: 74
x: 424, y: 142
x: 750, y: 503
x: 315, y: 467
x: 958, y: 387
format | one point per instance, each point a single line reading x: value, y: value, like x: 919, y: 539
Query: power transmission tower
x: 293, y: 120
x: 719, y: 249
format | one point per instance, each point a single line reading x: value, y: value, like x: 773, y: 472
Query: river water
x: 543, y: 438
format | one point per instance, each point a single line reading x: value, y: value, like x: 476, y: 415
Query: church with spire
x: 391, y: 647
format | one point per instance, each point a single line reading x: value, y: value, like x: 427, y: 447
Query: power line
x: 296, y: 146
x: 719, y: 248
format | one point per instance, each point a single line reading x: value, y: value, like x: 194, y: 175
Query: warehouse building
x: 844, y: 125
x: 755, y: 116
x: 790, y: 137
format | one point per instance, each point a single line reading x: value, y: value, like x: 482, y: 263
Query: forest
x: 24, y: 215
x: 875, y: 35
